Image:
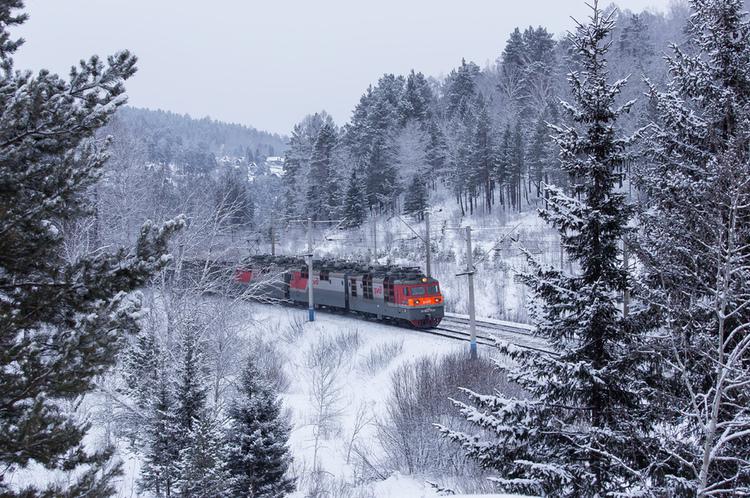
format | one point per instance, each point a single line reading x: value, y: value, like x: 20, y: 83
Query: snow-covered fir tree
x: 417, y: 99
x: 355, y: 202
x: 484, y: 154
x: 322, y: 182
x: 202, y: 464
x: 416, y: 197
x: 435, y: 153
x: 579, y: 431
x: 695, y: 249
x: 259, y: 457
x: 61, y: 321
x: 161, y: 439
x: 190, y: 389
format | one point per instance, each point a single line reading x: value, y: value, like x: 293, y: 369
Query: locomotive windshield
x: 422, y: 290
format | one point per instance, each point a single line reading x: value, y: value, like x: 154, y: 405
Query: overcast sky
x: 267, y: 64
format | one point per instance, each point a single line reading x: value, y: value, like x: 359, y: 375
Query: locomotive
x: 394, y: 293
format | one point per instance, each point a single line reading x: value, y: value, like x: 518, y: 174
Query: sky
x: 268, y: 64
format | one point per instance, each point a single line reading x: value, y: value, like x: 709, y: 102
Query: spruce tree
x: 578, y: 433
x: 190, y: 390
x: 259, y: 457
x: 161, y: 441
x: 61, y: 322
x: 694, y: 247
x: 202, y: 464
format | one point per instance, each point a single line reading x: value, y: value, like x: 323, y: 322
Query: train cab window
x: 303, y: 274
x: 417, y: 291
x: 432, y: 289
x: 389, y: 292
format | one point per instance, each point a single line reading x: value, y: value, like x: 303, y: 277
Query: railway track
x: 488, y: 333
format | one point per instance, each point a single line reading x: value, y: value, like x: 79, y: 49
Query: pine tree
x: 322, y: 192
x: 578, y: 433
x: 293, y: 164
x: 538, y: 156
x: 61, y: 322
x: 417, y: 99
x: 461, y: 90
x: 634, y: 39
x: 484, y: 155
x: 504, y: 166
x: 694, y: 248
x: 517, y: 167
x: 259, y: 457
x: 355, y: 209
x: 436, y: 152
x: 371, y: 140
x: 415, y: 200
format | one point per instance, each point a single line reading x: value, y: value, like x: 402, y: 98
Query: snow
x: 359, y: 387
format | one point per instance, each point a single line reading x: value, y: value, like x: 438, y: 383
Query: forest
x: 606, y: 171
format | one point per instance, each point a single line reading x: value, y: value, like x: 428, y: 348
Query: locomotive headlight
x: 416, y: 301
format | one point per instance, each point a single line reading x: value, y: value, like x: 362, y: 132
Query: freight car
x: 394, y: 293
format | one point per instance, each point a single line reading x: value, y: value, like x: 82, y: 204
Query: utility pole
x: 427, y: 243
x: 626, y: 292
x: 310, y: 304
x: 375, y: 234
x: 273, y: 241
x: 472, y: 314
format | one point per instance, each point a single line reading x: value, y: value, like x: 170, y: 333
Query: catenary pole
x: 472, y: 313
x: 273, y: 241
x: 626, y: 291
x: 428, y: 266
x: 310, y: 304
x: 375, y: 234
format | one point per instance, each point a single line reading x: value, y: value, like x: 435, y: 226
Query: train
x: 400, y: 294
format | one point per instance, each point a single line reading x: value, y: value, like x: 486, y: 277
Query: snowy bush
x: 380, y: 356
x: 270, y: 360
x: 420, y: 397
x: 294, y: 330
